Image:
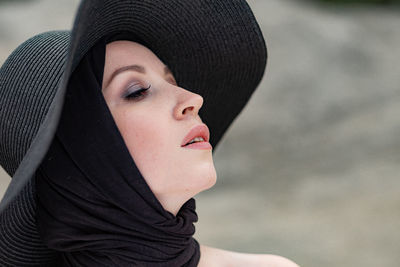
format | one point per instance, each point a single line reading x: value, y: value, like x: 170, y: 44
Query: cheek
x: 139, y: 136
x: 147, y: 142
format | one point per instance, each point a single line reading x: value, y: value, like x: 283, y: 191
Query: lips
x: 197, y: 131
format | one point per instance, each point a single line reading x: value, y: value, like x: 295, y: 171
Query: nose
x: 188, y: 104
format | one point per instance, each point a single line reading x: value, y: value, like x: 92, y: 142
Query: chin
x: 208, y: 179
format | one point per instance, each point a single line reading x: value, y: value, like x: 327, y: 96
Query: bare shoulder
x: 213, y: 257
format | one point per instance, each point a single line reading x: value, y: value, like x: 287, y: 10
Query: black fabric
x: 213, y: 48
x: 93, y: 205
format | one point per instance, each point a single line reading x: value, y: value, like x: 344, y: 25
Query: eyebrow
x: 137, y: 68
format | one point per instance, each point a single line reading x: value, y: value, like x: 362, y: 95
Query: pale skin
x: 153, y: 122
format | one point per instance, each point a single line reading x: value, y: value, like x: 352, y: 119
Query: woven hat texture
x: 213, y: 47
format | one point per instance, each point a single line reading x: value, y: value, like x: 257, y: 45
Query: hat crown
x: 28, y: 82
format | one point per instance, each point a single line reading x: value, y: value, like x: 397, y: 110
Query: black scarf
x: 93, y: 205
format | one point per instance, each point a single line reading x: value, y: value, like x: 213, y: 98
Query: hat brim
x: 213, y: 48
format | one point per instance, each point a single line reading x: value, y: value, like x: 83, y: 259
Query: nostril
x: 187, y: 109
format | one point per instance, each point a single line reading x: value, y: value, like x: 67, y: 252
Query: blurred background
x: 310, y: 169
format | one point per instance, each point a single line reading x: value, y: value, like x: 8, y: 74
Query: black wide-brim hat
x: 214, y: 48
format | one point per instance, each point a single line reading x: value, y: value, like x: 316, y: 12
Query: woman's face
x: 154, y: 115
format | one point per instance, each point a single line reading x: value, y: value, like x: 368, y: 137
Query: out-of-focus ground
x: 310, y: 170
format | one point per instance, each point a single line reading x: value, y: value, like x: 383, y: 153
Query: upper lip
x: 197, y: 131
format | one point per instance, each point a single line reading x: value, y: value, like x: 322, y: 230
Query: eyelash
x: 137, y: 94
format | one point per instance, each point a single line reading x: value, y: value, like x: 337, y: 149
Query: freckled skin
x: 153, y: 126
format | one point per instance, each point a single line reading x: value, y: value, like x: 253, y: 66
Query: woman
x: 107, y: 127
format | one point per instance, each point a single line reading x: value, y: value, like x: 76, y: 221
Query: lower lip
x: 199, y: 145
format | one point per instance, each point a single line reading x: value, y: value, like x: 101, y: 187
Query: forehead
x: 125, y: 52
x: 127, y: 55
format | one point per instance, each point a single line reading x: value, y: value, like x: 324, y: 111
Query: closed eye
x: 140, y: 93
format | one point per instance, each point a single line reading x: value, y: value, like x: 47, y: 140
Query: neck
x: 173, y: 204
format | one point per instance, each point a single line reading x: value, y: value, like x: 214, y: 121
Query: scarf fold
x: 93, y: 205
